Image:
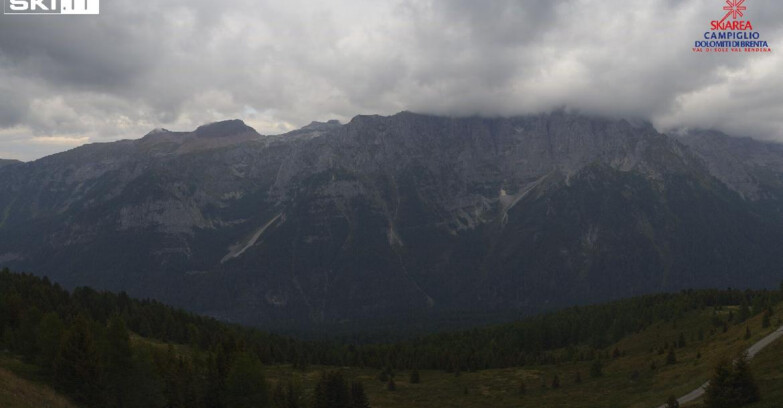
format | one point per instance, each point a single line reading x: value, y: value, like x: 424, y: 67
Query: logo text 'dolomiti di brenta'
x: 732, y: 33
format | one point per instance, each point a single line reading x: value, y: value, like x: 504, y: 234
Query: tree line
x: 89, y: 345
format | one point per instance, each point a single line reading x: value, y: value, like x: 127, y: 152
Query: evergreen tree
x: 245, y: 384
x: 117, y: 348
x: 332, y: 391
x: 24, y: 338
x: 522, y: 390
x: 50, y: 332
x: 143, y: 386
x: 744, y: 384
x: 556, y: 382
x: 286, y: 396
x: 597, y: 369
x: 671, y: 358
x: 744, y: 311
x: 415, y: 378
x: 117, y: 363
x: 77, y: 365
x: 731, y: 386
x: 358, y: 396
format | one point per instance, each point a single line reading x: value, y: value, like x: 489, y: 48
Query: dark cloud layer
x: 68, y: 80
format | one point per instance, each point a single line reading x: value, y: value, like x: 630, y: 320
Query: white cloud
x: 279, y: 65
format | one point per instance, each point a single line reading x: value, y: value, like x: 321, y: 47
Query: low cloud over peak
x: 280, y: 65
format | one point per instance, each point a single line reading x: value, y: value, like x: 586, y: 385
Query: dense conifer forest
x: 108, y: 350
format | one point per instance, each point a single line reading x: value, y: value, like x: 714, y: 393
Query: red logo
x: 733, y: 33
x: 734, y: 9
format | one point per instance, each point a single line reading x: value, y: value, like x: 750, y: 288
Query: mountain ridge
x: 407, y: 215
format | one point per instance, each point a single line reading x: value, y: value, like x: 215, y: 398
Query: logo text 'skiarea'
x: 51, y: 6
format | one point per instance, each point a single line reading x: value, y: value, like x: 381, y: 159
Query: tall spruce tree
x: 358, y: 396
x: 245, y: 384
x: 77, y: 365
x: 732, y: 385
x: 332, y: 391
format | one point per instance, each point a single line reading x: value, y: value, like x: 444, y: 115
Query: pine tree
x: 744, y: 311
x: 596, y: 369
x: 358, y: 396
x: 245, y: 384
x: 332, y: 391
x: 117, y: 363
x: 415, y: 377
x: 522, y: 390
x: 765, y: 322
x: 117, y: 346
x: 671, y: 358
x: 50, y: 332
x: 731, y: 386
x: 77, y: 365
x: 286, y: 396
x: 744, y: 383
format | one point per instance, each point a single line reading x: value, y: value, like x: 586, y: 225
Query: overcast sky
x: 280, y: 64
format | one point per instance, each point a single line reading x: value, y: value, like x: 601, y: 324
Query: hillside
x: 407, y: 217
x: 628, y: 380
x: 16, y: 392
x: 633, y: 352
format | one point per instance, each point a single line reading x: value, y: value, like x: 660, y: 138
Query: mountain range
x: 399, y: 217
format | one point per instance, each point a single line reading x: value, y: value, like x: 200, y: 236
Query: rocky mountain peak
x: 390, y: 215
x: 223, y: 129
x: 314, y: 125
x: 6, y: 162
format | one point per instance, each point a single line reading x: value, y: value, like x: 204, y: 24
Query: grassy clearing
x: 17, y: 392
x: 628, y: 381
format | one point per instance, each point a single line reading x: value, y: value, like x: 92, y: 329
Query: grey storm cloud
x: 68, y: 80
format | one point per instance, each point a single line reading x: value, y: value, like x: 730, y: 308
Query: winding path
x: 752, y: 351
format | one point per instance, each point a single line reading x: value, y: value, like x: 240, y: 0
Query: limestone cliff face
x: 750, y: 167
x: 396, y: 216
